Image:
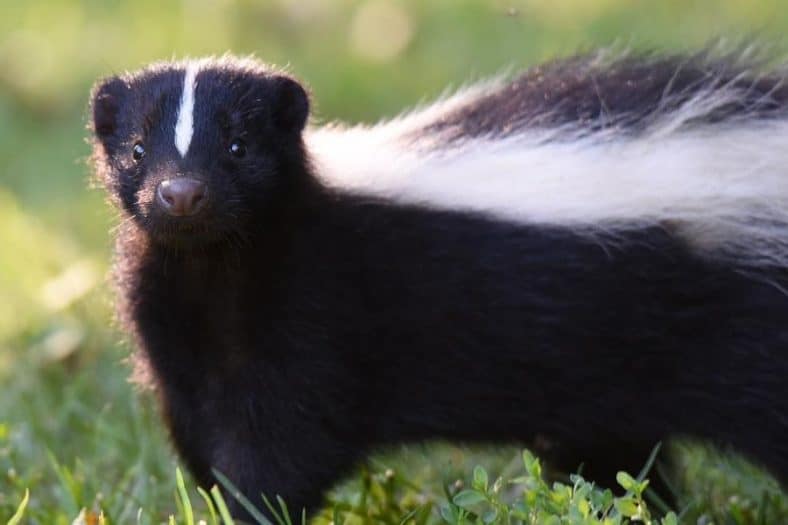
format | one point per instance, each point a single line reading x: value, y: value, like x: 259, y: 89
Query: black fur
x: 589, y: 94
x: 291, y: 328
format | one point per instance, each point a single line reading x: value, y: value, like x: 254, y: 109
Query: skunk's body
x: 593, y: 253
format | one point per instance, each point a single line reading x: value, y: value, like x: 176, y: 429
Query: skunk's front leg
x: 286, y: 454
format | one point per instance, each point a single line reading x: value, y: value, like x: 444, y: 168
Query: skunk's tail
x: 598, y: 144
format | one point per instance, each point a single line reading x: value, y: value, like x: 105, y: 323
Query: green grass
x: 75, y: 435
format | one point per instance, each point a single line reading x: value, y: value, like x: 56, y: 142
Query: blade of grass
x: 208, y: 503
x: 245, y: 503
x: 20, y: 511
x: 649, y: 463
x: 222, y: 506
x: 72, y: 488
x: 272, y: 510
x: 184, y: 497
x: 410, y: 514
x: 285, y: 511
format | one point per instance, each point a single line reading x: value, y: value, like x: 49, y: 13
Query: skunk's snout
x: 181, y: 196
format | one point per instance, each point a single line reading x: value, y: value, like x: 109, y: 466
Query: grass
x: 77, y: 440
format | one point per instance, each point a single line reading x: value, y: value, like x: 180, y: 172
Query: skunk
x: 592, y: 254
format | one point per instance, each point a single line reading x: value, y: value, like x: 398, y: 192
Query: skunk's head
x: 192, y: 151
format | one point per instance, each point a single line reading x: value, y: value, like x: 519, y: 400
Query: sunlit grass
x: 516, y: 493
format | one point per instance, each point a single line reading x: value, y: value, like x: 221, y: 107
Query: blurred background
x: 71, y: 428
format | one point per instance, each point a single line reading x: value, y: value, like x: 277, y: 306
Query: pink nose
x: 181, y: 196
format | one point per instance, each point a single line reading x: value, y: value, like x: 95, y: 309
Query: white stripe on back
x: 723, y: 186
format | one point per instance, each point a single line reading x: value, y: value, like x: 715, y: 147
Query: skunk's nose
x: 181, y: 196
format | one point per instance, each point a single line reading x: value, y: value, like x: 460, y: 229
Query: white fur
x: 723, y: 186
x: 184, y: 127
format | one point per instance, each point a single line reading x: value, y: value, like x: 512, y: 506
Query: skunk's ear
x: 108, y: 97
x: 291, y: 104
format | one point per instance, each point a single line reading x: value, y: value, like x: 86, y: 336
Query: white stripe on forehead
x: 184, y: 127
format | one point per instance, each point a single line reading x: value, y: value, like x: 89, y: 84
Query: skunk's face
x: 193, y: 151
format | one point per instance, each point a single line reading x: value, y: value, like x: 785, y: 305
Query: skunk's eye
x: 138, y: 151
x: 237, y: 148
